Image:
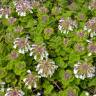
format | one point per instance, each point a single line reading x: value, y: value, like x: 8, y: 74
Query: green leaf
x: 48, y: 87
x: 19, y: 67
x: 3, y: 73
x: 60, y: 62
x: 73, y: 58
x: 92, y: 82
x: 83, y: 93
x: 68, y: 91
x: 10, y: 78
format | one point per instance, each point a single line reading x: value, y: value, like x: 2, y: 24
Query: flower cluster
x: 11, y: 20
x: 31, y: 80
x: 67, y: 75
x: 14, y: 92
x: 79, y: 47
x: 56, y: 10
x: 48, y: 32
x: 66, y: 25
x: 46, y: 68
x: 92, y: 5
x: 71, y: 93
x: 22, y: 7
x: 22, y: 44
x: 38, y: 51
x: 35, y: 4
x: 84, y: 70
x: 45, y: 21
x: 5, y: 12
x: 43, y: 10
x: 90, y: 26
x: 91, y: 47
x: 14, y: 55
x: 18, y: 29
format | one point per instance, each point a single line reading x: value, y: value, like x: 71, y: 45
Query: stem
x: 57, y: 85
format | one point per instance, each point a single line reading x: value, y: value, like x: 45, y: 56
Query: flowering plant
x: 48, y: 48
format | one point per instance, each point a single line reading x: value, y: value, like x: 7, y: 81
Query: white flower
x: 89, y: 54
x: 38, y: 51
x: 22, y: 44
x: 87, y: 94
x: 14, y: 92
x: 31, y: 80
x: 94, y: 95
x: 2, y: 89
x: 22, y: 7
x: 5, y: 12
x: 38, y: 94
x: 66, y: 25
x: 46, y: 68
x: 1, y: 12
x: 84, y: 70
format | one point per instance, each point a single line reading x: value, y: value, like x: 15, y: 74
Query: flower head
x: 79, y: 47
x: 67, y: 75
x: 81, y: 34
x: 92, y: 47
x: 92, y: 5
x: 43, y: 10
x: 56, y: 10
x: 22, y: 7
x: 90, y: 26
x: 1, y: 12
x: 35, y: 4
x: 22, y: 44
x: 84, y: 70
x: 14, y: 92
x: 14, y: 55
x: 46, y: 68
x: 66, y: 42
x: 38, y: 51
x: 19, y: 29
x: 44, y: 18
x: 66, y: 25
x: 48, y: 32
x: 81, y: 17
x: 12, y: 20
x: 71, y: 92
x: 5, y: 12
x: 31, y: 80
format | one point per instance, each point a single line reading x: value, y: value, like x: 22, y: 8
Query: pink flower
x: 46, y: 68
x: 38, y: 51
x: 22, y: 7
x: 14, y: 92
x: 22, y: 44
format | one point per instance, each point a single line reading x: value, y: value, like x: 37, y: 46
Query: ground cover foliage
x: 47, y: 48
